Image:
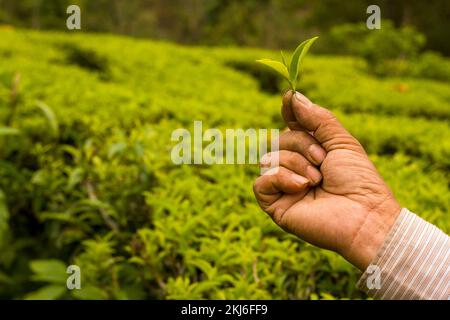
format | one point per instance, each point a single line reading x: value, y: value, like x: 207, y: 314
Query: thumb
x: 325, y: 127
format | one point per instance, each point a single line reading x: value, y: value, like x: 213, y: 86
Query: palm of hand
x: 332, y: 214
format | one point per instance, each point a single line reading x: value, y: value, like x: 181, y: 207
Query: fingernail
x: 303, y: 100
x: 286, y: 92
x: 313, y: 174
x: 299, y: 179
x: 317, y: 153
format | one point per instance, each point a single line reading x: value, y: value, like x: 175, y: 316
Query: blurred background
x: 261, y: 23
x: 86, y: 119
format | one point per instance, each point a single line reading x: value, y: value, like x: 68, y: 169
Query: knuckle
x: 300, y: 134
x: 257, y: 186
x: 285, y: 135
x: 278, y: 216
x: 291, y: 137
x: 293, y: 158
x: 269, y: 162
x: 327, y: 115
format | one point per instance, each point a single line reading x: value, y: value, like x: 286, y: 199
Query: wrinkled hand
x: 326, y: 190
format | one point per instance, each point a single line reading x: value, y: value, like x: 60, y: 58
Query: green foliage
x: 7, y: 131
x: 256, y: 23
x: 386, y: 50
x: 48, y: 292
x: 50, y: 115
x: 48, y: 271
x: 4, y: 218
x: 431, y: 65
x: 52, y: 272
x: 103, y: 193
x: 290, y: 71
x: 279, y: 67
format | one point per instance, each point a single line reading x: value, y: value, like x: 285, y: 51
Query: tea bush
x: 388, y: 51
x: 431, y: 65
x: 101, y: 192
x: 378, y: 45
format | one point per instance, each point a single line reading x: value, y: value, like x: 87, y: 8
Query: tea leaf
x: 275, y: 65
x: 297, y: 58
x: 293, y: 68
x: 290, y: 70
x: 50, y: 115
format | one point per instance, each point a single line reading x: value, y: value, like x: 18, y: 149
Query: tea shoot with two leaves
x: 290, y: 70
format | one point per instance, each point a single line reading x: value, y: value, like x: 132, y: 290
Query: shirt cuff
x: 412, y: 263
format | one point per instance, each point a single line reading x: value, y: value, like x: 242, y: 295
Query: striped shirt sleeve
x: 413, y: 262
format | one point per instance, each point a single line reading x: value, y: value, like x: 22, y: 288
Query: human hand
x: 326, y: 190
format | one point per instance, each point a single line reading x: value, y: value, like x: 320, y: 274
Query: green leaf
x: 49, y: 292
x: 58, y: 216
x: 290, y: 71
x: 275, y: 65
x: 75, y: 177
x: 116, y: 148
x: 297, y: 58
x: 51, y: 117
x: 53, y: 271
x: 8, y: 131
x: 205, y: 286
x: 4, y: 217
x: 89, y: 293
x: 205, y: 267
